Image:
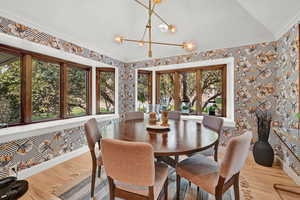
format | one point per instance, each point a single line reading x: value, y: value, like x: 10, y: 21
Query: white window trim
x: 229, y: 62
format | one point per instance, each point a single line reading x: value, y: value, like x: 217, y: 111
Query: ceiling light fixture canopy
x: 164, y: 27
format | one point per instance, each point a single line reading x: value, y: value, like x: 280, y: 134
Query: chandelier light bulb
x: 141, y: 43
x: 119, y: 39
x: 189, y: 46
x: 157, y: 1
x: 172, y: 28
x: 163, y: 28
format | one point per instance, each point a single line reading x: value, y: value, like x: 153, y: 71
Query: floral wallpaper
x: 287, y: 96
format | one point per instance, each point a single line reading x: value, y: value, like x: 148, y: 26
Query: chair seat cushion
x: 161, y: 174
x: 201, y: 171
x: 208, y: 152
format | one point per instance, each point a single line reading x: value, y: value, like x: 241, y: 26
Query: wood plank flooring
x: 258, y: 185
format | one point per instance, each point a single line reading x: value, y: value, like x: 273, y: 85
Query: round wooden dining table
x: 184, y: 137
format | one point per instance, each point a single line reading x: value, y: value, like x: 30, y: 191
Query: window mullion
x: 177, y: 91
x: 149, y: 88
x: 63, y: 90
x: 98, y: 74
x: 157, y: 88
x: 198, y: 93
x: 26, y: 89
x: 89, y: 91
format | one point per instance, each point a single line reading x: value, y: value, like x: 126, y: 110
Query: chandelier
x: 164, y: 27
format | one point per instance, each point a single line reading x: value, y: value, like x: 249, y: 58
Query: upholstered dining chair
x: 212, y: 177
x: 93, y: 136
x: 131, y: 171
x: 215, y: 124
x: 174, y: 115
x: 135, y: 115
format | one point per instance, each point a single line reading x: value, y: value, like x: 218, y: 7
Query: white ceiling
x: 211, y: 23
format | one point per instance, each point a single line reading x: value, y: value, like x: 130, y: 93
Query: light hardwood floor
x: 257, y: 181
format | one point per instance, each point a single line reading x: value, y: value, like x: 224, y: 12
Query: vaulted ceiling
x: 211, y: 23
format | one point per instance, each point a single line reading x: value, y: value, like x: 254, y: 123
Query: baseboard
x: 23, y: 174
x: 290, y: 172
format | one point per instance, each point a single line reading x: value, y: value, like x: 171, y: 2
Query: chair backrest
x: 134, y: 115
x: 213, y: 123
x: 236, y: 155
x: 129, y: 162
x: 174, y: 115
x: 92, y: 133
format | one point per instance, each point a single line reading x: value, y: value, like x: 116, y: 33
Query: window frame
x: 98, y: 95
x: 26, y: 84
x: 149, y: 84
x: 198, y: 71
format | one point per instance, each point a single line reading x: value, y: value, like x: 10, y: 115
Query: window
x: 10, y: 89
x: 105, y: 90
x: 198, y: 91
x: 45, y: 90
x: 35, y: 87
x: 188, y: 94
x: 77, y: 91
x: 144, y: 95
x: 165, y: 90
x: 212, y: 94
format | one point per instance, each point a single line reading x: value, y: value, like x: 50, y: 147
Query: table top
x: 184, y: 137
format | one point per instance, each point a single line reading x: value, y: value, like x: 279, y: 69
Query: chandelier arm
x: 150, y: 30
x: 152, y: 42
x: 155, y: 13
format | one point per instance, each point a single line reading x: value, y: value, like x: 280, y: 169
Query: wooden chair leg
x: 219, y: 196
x: 236, y: 186
x: 177, y: 187
x: 93, y: 180
x: 166, y: 189
x: 111, y: 188
x: 99, y: 171
x: 216, y: 152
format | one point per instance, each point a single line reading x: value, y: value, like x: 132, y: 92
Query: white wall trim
x: 230, y: 78
x: 23, y: 174
x: 42, y: 128
x: 295, y: 20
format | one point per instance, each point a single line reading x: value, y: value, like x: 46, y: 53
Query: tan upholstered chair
x: 131, y: 171
x: 215, y: 124
x: 134, y: 116
x: 174, y: 115
x: 213, y: 178
x: 93, y: 136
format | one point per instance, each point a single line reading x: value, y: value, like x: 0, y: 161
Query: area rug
x: 81, y: 191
